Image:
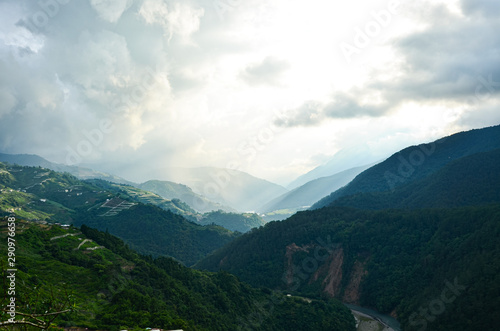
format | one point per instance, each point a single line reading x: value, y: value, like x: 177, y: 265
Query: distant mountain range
x: 35, y: 193
x: 204, y: 189
x: 343, y: 160
x: 80, y: 172
x: 171, y: 190
x: 233, y: 188
x: 305, y: 196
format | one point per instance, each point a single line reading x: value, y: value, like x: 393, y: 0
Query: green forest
x: 105, y: 285
x: 409, y: 256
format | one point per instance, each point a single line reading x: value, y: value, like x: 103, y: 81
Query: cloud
x: 83, y: 73
x: 446, y: 61
x: 309, y: 113
x: 175, y: 79
x: 488, y: 8
x: 176, y: 19
x: 267, y: 72
x: 454, y: 61
x: 110, y: 10
x: 339, y: 106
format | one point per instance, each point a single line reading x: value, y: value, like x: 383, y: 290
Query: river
x: 384, y: 319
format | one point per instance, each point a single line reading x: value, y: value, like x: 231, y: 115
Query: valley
x: 391, y: 238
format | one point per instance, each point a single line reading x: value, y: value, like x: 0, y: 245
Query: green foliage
x: 469, y: 181
x: 136, y: 194
x: 153, y: 231
x: 409, y: 255
x: 173, y: 191
x: 110, y: 287
x: 42, y: 194
x: 232, y: 221
x: 417, y: 162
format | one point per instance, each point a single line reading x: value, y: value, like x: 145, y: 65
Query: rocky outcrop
x: 352, y: 291
x: 327, y: 266
x: 333, y: 279
x: 291, y: 269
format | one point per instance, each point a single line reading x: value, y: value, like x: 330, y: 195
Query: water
x: 390, y: 321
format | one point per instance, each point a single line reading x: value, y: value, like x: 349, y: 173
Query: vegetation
x: 229, y: 220
x: 232, y: 221
x: 136, y: 194
x: 153, y: 231
x: 470, y: 181
x: 40, y: 194
x: 108, y: 286
x: 408, y: 256
x: 417, y: 162
x: 169, y: 190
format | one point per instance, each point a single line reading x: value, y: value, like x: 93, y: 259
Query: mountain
x: 417, y: 162
x: 233, y: 188
x: 343, y: 160
x: 174, y: 205
x: 168, y: 190
x: 171, y: 190
x: 305, y: 196
x: 436, y: 269
x: 80, y: 172
x: 469, y: 181
x: 415, y: 236
x: 86, y: 279
x: 36, y: 193
x: 233, y: 221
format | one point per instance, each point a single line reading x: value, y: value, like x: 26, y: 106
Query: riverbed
x: 388, y: 322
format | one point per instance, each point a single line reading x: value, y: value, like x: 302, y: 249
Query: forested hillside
x: 153, y: 231
x: 469, y: 181
x: 417, y: 162
x: 171, y: 190
x: 393, y: 260
x: 42, y: 194
x: 90, y: 279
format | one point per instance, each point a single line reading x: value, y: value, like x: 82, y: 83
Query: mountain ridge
x: 416, y: 162
x: 233, y: 188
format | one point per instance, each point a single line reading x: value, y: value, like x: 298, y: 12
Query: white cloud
x: 177, y: 18
x: 183, y: 86
x: 110, y: 10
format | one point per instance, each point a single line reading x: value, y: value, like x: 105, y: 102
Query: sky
x: 271, y: 87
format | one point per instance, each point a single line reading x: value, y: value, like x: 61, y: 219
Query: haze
x: 274, y: 88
